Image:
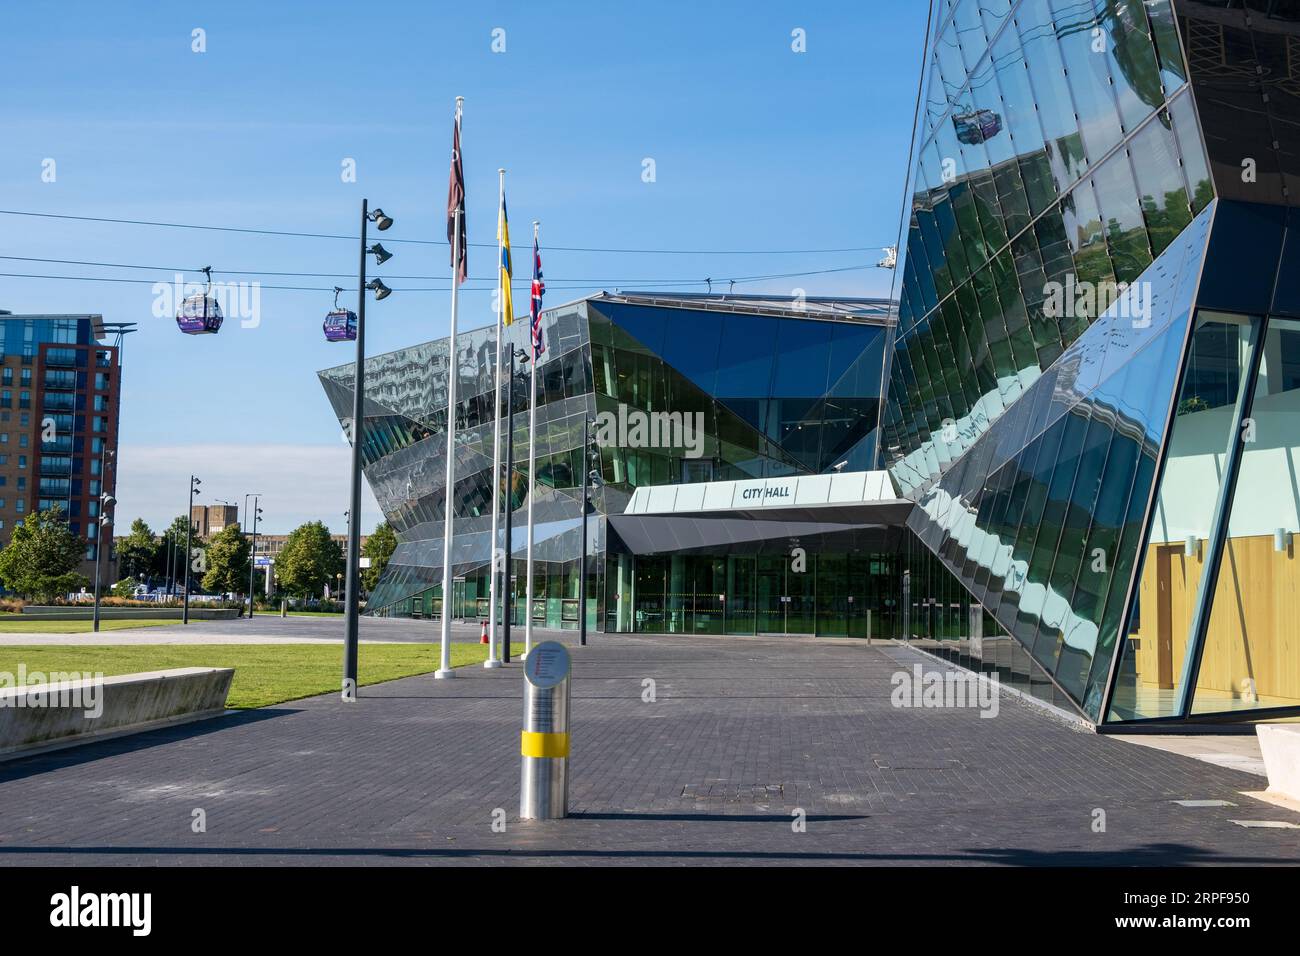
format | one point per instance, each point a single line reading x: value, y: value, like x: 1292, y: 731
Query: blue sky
x: 755, y: 147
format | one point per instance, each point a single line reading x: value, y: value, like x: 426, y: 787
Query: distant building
x: 207, y: 520
x: 270, y: 545
x: 59, y: 393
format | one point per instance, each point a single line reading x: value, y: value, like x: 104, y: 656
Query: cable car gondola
x: 977, y: 126
x: 200, y: 314
x: 341, y: 324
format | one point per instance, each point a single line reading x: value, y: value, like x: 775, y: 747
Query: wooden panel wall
x: 1254, y: 629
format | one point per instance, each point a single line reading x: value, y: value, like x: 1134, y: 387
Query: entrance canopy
x: 856, y: 511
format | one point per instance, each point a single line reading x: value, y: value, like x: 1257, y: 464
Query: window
x: 26, y: 377
x: 22, y: 461
x: 4, y: 438
x: 21, y: 506
x: 22, y: 440
x: 101, y: 381
x: 22, y: 482
x: 99, y: 424
x: 100, y: 403
x: 7, y: 377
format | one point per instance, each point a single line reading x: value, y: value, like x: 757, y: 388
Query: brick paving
x: 743, y: 732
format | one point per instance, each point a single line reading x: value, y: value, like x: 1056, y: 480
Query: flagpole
x: 532, y: 467
x: 444, y: 662
x: 493, y: 591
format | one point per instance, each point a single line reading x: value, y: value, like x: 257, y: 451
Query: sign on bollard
x: 544, y: 744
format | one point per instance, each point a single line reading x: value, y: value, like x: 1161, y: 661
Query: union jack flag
x: 535, y: 308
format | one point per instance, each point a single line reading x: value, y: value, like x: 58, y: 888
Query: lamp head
x: 381, y: 221
x: 381, y: 291
x: 381, y: 254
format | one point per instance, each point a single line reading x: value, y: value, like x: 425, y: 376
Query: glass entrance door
x: 786, y: 600
x: 770, y: 594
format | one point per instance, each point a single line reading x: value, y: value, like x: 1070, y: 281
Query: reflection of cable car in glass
x: 977, y: 126
x: 200, y: 314
x: 341, y: 324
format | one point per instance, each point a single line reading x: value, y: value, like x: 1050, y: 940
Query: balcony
x: 60, y: 357
x: 55, y: 401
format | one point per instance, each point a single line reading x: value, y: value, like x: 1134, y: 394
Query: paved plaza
x: 743, y: 738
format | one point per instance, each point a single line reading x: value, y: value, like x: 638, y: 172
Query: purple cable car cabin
x: 199, y: 315
x: 340, y: 326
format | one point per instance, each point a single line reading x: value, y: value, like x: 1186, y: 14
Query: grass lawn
x: 264, y: 673
x: 31, y: 624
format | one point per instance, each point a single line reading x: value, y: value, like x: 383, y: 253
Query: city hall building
x: 1063, y: 451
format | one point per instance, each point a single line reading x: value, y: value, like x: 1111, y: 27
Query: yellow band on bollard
x: 533, y: 744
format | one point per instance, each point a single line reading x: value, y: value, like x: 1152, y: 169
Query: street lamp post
x: 189, y: 532
x: 351, y: 607
x: 252, y: 560
x: 105, y: 522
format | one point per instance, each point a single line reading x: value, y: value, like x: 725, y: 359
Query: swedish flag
x: 503, y: 237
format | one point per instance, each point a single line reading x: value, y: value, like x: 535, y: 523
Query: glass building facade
x: 1091, y: 384
x: 1085, y: 388
x: 760, y: 389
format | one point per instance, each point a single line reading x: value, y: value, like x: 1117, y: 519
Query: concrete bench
x: 1279, y: 744
x: 66, y: 712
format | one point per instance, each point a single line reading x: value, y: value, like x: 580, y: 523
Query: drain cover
x: 1205, y: 803
x: 733, y: 792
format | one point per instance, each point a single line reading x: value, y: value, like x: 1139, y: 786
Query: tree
x: 138, y: 553
x: 379, y: 548
x: 41, y: 558
x: 227, y: 561
x: 173, y: 544
x: 309, y: 560
x: 124, y: 588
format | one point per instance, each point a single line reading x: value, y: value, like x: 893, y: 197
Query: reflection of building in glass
x: 1112, y: 490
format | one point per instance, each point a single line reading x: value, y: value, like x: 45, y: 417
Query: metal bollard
x: 544, y: 743
x: 284, y: 608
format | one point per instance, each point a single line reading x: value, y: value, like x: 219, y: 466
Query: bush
x: 12, y: 605
x: 123, y: 589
